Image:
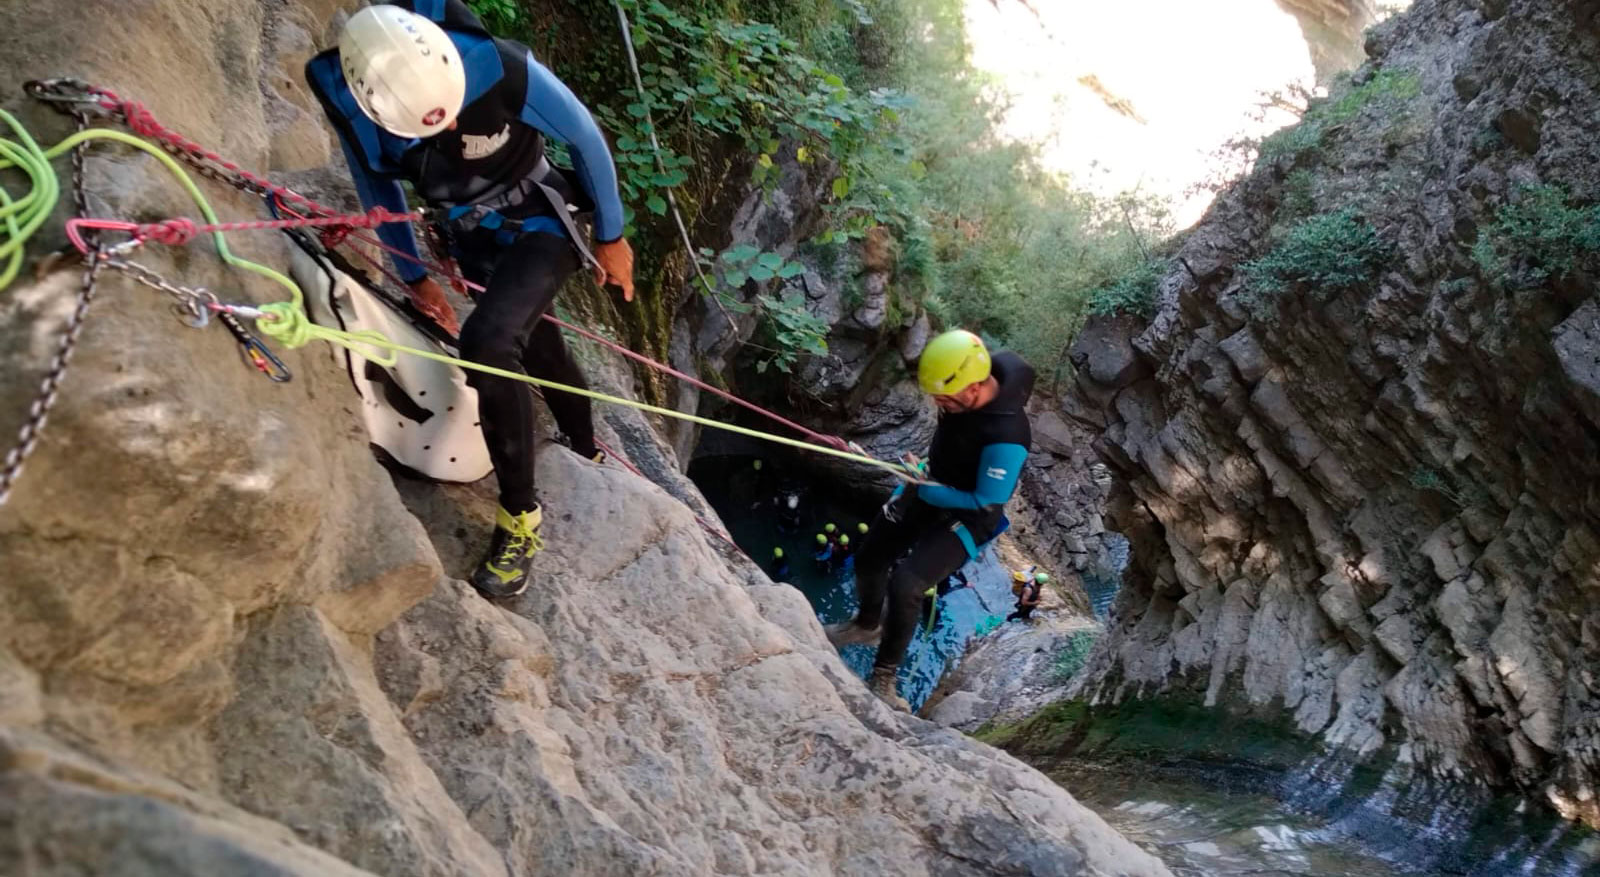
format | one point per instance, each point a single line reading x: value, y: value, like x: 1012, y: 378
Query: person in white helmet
x: 420, y: 92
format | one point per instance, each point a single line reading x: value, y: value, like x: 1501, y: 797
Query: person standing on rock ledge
x: 925, y: 533
x: 419, y: 91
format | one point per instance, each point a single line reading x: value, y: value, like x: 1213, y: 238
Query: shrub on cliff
x: 1329, y: 253
x: 1539, y: 235
x: 1134, y: 293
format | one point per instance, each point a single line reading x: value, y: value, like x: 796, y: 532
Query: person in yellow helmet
x: 778, y: 567
x: 917, y: 540
x: 1029, y: 590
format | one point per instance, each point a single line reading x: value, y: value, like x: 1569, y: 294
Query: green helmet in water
x: 844, y: 540
x: 821, y: 539
x: 862, y: 528
x: 829, y: 528
x: 777, y: 554
x: 952, y: 362
x: 756, y: 465
x: 1042, y: 578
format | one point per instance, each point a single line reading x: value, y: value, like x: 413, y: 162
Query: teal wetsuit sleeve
x: 999, y: 467
x: 554, y: 109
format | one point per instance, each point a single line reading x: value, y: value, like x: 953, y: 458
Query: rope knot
x: 334, y: 235
x: 286, y: 322
x: 172, y: 232
x: 378, y: 216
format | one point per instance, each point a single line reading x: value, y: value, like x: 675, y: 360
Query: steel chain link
x: 50, y: 385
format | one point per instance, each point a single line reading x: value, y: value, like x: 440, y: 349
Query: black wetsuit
x: 522, y: 252
x: 1027, y: 601
x: 961, y: 460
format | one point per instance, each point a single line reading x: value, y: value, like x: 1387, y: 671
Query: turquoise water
x: 743, y: 500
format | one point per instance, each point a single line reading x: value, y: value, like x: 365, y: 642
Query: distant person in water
x: 787, y: 505
x: 778, y: 566
x: 925, y: 533
x: 824, y: 555
x: 842, y: 553
x: 758, y: 481
x: 1028, y: 595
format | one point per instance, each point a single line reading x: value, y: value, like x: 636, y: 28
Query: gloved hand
x: 429, y: 298
x: 616, y: 266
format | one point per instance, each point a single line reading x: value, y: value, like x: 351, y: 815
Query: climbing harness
x: 285, y: 321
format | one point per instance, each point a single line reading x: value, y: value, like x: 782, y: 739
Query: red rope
x: 339, y: 226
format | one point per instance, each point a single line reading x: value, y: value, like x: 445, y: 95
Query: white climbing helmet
x: 403, y: 70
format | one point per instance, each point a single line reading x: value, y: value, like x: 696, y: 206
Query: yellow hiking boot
x: 508, y: 569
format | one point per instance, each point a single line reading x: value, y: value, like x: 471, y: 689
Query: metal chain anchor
x: 50, y: 386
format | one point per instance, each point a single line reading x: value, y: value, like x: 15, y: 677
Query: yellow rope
x: 287, y: 321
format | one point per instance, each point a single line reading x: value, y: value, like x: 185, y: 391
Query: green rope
x: 287, y: 321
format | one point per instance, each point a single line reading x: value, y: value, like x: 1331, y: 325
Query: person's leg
x: 547, y: 357
x: 885, y: 541
x: 934, y: 557
x: 522, y: 280
x: 522, y: 285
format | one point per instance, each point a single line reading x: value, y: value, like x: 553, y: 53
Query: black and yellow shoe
x: 508, y: 569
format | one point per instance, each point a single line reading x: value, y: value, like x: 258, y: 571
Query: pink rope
x: 179, y: 231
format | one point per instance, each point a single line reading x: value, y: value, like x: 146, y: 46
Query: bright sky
x: 1192, y: 69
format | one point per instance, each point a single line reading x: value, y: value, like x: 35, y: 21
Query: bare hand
x: 429, y: 298
x: 616, y: 266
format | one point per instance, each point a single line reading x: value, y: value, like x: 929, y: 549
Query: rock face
x: 1014, y: 672
x: 229, y: 644
x: 863, y: 387
x: 1374, y: 507
x: 1333, y: 30
x: 1058, y: 513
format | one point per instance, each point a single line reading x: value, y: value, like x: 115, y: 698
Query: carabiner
x: 254, y: 351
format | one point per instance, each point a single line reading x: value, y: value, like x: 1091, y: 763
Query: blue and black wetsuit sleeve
x: 452, y: 15
x: 552, y: 108
x: 999, y: 467
x: 363, y: 144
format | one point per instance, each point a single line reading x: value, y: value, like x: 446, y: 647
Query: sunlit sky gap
x: 1192, y: 70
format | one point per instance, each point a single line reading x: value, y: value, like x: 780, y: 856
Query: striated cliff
x: 230, y: 643
x: 1358, y: 473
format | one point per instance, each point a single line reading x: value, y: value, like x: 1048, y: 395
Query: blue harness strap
x: 972, y: 546
x: 508, y: 230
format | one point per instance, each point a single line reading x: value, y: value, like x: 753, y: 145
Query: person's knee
x: 907, y: 589
x: 490, y: 342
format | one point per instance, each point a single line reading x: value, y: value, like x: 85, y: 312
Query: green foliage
x: 790, y: 331
x: 1327, y: 253
x: 710, y: 78
x: 1539, y: 235
x: 1299, y: 194
x: 747, y: 262
x: 1387, y: 92
x: 1072, y: 657
x: 1134, y: 293
x: 877, y: 104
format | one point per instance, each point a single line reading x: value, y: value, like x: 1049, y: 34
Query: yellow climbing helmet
x: 952, y: 362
